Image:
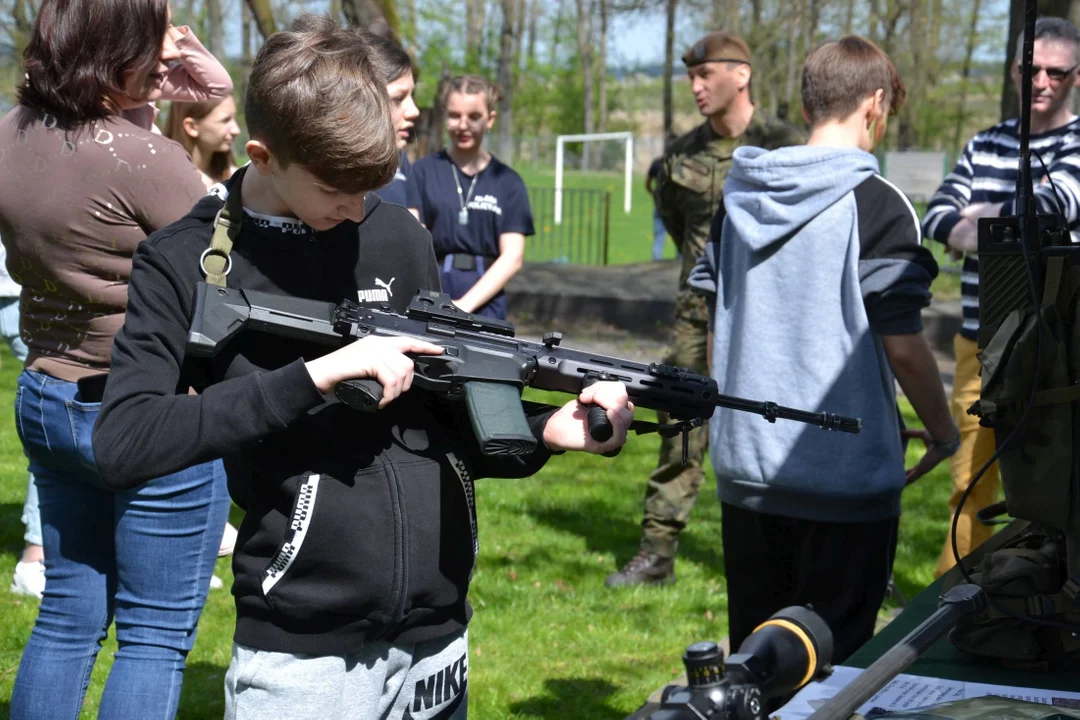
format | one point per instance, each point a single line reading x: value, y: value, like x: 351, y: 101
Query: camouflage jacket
x: 691, y: 184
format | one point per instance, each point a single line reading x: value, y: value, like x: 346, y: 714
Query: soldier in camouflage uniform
x: 688, y: 194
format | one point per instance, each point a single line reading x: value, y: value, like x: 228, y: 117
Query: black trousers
x: 841, y: 569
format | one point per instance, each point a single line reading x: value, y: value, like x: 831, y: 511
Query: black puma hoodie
x: 359, y: 527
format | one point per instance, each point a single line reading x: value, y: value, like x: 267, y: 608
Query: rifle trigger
x: 686, y: 445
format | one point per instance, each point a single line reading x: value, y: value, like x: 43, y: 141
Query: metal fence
x: 582, y: 236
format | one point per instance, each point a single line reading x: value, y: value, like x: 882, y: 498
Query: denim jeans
x: 143, y: 557
x: 9, y: 329
x: 659, y: 236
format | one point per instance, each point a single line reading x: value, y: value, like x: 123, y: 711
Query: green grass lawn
x: 548, y: 640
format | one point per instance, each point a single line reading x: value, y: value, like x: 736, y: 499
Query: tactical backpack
x: 1027, y: 574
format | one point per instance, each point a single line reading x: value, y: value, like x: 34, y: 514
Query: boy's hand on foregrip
x: 568, y: 428
x: 382, y: 359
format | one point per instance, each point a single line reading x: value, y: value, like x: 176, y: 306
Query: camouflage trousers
x: 673, y: 488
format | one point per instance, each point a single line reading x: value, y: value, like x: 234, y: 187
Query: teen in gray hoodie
x: 818, y: 278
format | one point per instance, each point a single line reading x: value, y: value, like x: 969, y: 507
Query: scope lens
x: 789, y: 649
x: 704, y: 663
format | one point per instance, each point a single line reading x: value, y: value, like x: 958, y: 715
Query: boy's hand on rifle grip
x: 382, y: 359
x: 568, y: 429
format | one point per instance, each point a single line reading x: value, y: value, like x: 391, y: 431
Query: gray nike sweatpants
x: 425, y: 681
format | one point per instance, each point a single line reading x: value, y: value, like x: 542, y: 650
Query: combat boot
x: 645, y: 568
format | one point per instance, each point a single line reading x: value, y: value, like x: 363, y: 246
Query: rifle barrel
x: 771, y: 411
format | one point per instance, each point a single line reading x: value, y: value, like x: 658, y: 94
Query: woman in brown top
x: 80, y: 187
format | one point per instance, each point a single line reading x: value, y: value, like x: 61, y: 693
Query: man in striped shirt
x: 983, y: 184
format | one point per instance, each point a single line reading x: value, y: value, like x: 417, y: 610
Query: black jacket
x: 359, y: 527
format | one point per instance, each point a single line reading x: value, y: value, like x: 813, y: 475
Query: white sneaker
x: 228, y: 541
x: 29, y: 579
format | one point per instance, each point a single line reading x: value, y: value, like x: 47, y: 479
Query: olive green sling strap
x: 215, y: 261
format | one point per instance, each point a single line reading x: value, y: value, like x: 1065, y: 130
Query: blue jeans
x: 659, y: 236
x: 9, y: 329
x: 143, y: 557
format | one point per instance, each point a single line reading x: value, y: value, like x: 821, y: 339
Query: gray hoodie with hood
x: 817, y: 258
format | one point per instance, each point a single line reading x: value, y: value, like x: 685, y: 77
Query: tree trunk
x: 375, y: 16
x: 874, y: 22
x: 263, y: 15
x: 798, y: 9
x: 23, y: 13
x: 409, y: 31
x: 669, y: 64
x: 245, y: 35
x: 520, y: 10
x: 433, y: 142
x: 336, y: 10
x: 506, y: 79
x: 814, y: 22
x: 725, y: 16
x: 475, y: 17
x: 553, y: 51
x: 215, y: 36
x: 849, y: 17
x: 907, y: 135
x: 534, y: 18
x: 601, y: 69
x: 755, y: 12
x: 965, y: 74
x: 585, y: 57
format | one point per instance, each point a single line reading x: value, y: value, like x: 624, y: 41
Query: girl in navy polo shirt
x: 476, y: 207
x: 402, y: 80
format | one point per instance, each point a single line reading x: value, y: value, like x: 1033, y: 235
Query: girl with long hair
x: 207, y: 131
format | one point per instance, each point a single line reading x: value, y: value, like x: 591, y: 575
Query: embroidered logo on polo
x: 294, y: 536
x: 490, y: 203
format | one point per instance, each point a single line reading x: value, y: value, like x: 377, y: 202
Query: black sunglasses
x: 1055, y: 74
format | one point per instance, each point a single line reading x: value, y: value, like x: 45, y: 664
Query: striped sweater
x: 986, y: 173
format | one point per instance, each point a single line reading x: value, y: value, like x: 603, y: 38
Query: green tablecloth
x: 943, y: 660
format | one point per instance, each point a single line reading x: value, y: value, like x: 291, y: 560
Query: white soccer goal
x: 561, y: 141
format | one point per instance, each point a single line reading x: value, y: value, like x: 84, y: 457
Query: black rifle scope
x: 784, y: 653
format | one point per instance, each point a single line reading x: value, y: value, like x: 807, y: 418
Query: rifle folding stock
x: 483, y: 364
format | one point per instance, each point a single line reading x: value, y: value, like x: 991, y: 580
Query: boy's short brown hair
x: 840, y: 75
x: 317, y: 97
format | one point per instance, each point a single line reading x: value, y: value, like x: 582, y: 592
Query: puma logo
x: 386, y: 285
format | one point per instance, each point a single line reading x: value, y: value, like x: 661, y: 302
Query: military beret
x: 717, y: 47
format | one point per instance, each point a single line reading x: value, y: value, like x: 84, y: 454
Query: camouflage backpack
x: 1028, y: 574
x: 1025, y: 577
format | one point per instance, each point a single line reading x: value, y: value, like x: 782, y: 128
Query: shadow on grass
x: 203, y: 694
x: 571, y: 697
x: 605, y: 531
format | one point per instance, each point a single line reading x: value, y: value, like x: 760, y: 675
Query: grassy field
x: 548, y: 640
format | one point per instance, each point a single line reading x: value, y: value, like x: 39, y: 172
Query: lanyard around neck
x: 463, y: 201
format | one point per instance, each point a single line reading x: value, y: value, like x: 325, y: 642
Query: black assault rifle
x: 482, y: 364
